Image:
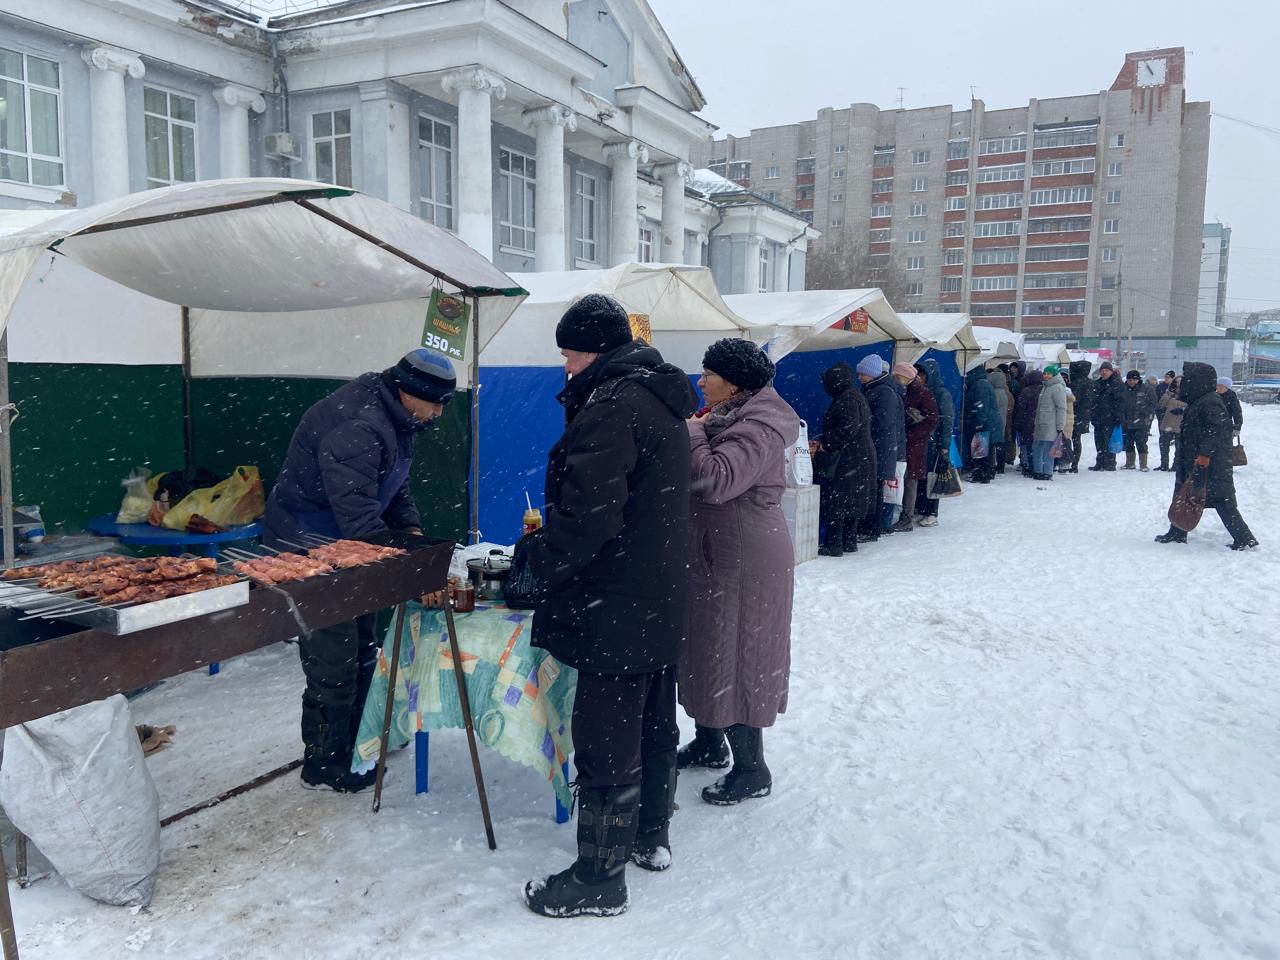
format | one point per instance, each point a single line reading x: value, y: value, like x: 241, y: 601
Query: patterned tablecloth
x: 521, y: 696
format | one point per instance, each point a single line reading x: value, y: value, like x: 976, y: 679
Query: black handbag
x: 522, y: 590
x: 825, y: 465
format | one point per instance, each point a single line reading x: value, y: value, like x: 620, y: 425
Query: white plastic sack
x: 799, y: 463
x: 893, y: 488
x: 76, y: 784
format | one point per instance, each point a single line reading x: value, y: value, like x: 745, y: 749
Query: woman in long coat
x: 921, y: 421
x: 846, y: 463
x: 733, y: 675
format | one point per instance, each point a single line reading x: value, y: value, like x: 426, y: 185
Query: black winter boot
x: 749, y: 778
x: 1172, y: 535
x: 652, y: 848
x: 850, y: 541
x: 1248, y: 543
x: 707, y: 749
x: 596, y: 884
x: 833, y: 544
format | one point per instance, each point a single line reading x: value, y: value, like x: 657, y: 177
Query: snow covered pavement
x: 1028, y: 732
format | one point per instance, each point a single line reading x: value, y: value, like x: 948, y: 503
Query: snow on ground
x: 1028, y: 733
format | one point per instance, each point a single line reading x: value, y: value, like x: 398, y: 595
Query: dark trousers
x: 1102, y: 445
x: 1077, y: 448
x: 338, y: 662
x: 872, y: 523
x: 1229, y: 514
x: 1166, y: 442
x: 1136, y: 438
x: 926, y: 506
x: 620, y: 722
x: 998, y: 451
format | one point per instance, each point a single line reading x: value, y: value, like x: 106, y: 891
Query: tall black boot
x: 326, y: 757
x: 850, y: 541
x: 1172, y: 535
x: 652, y: 848
x: 833, y: 546
x: 749, y: 778
x: 707, y: 749
x: 596, y: 884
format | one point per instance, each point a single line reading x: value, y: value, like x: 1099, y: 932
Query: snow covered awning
x: 808, y: 320
x: 948, y: 332
x: 997, y: 345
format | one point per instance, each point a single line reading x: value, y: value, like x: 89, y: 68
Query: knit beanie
x: 425, y: 375
x: 1106, y: 365
x: 1133, y: 375
x: 905, y: 370
x: 1224, y: 382
x: 594, y: 323
x: 1170, y: 373
x: 871, y: 365
x: 740, y: 362
x: 1051, y: 370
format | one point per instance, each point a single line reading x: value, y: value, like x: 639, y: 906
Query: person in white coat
x: 1051, y: 420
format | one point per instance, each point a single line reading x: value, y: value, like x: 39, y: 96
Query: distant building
x: 1077, y: 216
x: 1215, y: 249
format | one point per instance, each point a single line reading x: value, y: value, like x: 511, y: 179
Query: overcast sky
x: 767, y: 62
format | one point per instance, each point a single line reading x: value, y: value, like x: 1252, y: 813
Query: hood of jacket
x: 1017, y: 370
x: 639, y: 363
x: 1032, y: 377
x: 1197, y: 380
x: 1055, y: 380
x: 998, y: 380
x: 836, y: 380
x: 974, y: 377
x: 1080, y: 370
x: 768, y: 408
x: 933, y: 374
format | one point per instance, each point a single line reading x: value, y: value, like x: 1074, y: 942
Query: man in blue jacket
x: 347, y: 475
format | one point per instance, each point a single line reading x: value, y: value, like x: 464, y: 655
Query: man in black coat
x: 611, y: 562
x: 1139, y: 410
x: 1082, y: 387
x: 846, y: 463
x: 1107, y: 414
x: 346, y: 474
x: 888, y: 433
x: 1204, y: 455
x: 1163, y: 386
x: 938, y: 459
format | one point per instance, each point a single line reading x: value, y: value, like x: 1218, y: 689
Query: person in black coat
x: 1139, y: 410
x: 939, y: 454
x: 846, y: 463
x: 981, y: 416
x: 1024, y: 417
x: 1082, y: 387
x: 1107, y: 413
x: 1204, y: 453
x: 1231, y: 401
x: 1164, y: 385
x: 346, y: 474
x: 888, y: 433
x: 611, y: 564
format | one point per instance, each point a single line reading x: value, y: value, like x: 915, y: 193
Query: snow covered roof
x: 710, y: 184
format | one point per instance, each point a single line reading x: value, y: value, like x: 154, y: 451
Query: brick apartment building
x: 1075, y: 216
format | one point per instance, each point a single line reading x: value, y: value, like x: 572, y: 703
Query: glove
x: 1202, y: 461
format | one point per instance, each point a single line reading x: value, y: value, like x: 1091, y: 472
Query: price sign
x: 445, y: 329
x: 640, y: 329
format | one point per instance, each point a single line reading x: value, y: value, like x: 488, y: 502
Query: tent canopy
x: 946, y: 332
x: 809, y: 320
x: 998, y: 345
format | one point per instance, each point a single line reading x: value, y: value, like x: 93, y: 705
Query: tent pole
x: 6, y: 452
x: 187, y: 431
x: 475, y: 419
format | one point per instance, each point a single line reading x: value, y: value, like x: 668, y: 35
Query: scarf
x: 725, y: 414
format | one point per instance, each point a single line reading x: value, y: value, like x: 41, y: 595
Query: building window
x: 953, y: 257
x: 1058, y: 225
x: 836, y: 221
x: 958, y: 150
x: 1009, y: 282
x: 331, y: 147
x: 740, y: 170
x: 1009, y: 171
x: 837, y: 174
x: 771, y: 173
x: 995, y: 255
x: 919, y: 156
x: 1041, y: 281
x: 991, y: 309
x: 1106, y: 311
x: 1040, y: 198
x: 957, y: 178
x: 517, y: 175
x: 1071, y: 137
x: 1115, y: 169
x: 837, y: 198
x: 804, y: 167
x: 1113, y: 196
x: 915, y: 236
x: 915, y: 289
x: 1058, y: 168
x: 957, y: 203
x: 997, y: 228
x: 879, y: 236
x: 435, y: 171
x: 804, y: 193
x: 584, y: 240
x: 1117, y: 140
x: 1107, y: 282
x: 919, y: 184
x: 952, y: 284
x: 1052, y: 308
x: 644, y: 253
x: 919, y: 209
x: 882, y: 157
x: 881, y: 210
x: 915, y: 263
x: 882, y: 186
x: 995, y: 145
x: 839, y: 148
x: 998, y: 201
x: 169, y: 123
x: 30, y: 120
x: 1108, y: 254
x: 766, y: 268
x: 770, y: 195
x: 1075, y: 251
x: 953, y: 229
x: 1110, y: 226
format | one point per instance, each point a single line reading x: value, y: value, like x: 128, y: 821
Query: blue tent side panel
x: 799, y: 378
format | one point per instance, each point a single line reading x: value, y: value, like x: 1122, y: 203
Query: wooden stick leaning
x: 8, y: 936
x: 386, y: 715
x: 465, y: 700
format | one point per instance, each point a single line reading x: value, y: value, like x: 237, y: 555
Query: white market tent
x: 1041, y: 354
x: 254, y: 277
x: 996, y: 344
x: 946, y: 332
x: 810, y: 320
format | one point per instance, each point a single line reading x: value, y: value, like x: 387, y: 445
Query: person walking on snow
x: 1139, y: 409
x: 1050, y: 422
x: 921, y: 411
x: 1107, y: 413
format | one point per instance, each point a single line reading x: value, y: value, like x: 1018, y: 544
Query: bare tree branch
x: 840, y: 264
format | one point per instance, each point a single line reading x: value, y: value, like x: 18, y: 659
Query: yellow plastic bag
x: 139, y: 495
x: 237, y: 500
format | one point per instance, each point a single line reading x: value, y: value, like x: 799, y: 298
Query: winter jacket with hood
x: 887, y: 424
x: 980, y: 412
x: 1139, y: 407
x: 1000, y: 384
x: 613, y: 554
x: 1206, y: 432
x: 854, y: 487
x: 1082, y: 389
x: 1051, y: 409
x: 1024, y: 414
x: 1107, y: 411
x: 1017, y: 370
x: 1231, y: 400
x: 940, y: 443
x: 922, y: 421
x: 742, y: 568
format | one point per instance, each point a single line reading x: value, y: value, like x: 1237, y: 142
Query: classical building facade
x: 1066, y: 217
x: 548, y: 135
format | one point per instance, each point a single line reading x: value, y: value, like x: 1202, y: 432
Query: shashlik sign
x: 445, y: 329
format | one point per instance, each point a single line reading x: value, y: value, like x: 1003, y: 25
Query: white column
x: 387, y: 151
x: 234, y: 104
x: 108, y: 121
x: 549, y: 124
x: 673, y: 177
x: 751, y: 276
x: 474, y: 87
x: 695, y: 257
x: 624, y: 159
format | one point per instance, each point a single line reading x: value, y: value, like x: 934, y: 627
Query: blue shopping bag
x: 955, y: 455
x: 1117, y: 441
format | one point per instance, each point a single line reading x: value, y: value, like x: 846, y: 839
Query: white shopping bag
x: 799, y: 463
x: 893, y: 488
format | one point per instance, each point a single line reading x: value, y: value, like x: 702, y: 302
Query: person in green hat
x: 1050, y: 422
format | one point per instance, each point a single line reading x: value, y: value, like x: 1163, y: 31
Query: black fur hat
x: 740, y: 362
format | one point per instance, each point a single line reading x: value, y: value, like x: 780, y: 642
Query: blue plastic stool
x: 422, y: 763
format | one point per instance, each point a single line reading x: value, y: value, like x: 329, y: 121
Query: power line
x: 1275, y: 131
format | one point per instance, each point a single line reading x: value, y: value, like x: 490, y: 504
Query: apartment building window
x: 997, y: 228
x: 771, y: 173
x: 837, y: 198
x: 881, y: 210
x: 1117, y: 140
x: 31, y: 120
x: 953, y: 229
x: 920, y: 156
x: 1041, y: 281
x: 958, y: 150
x: 1113, y: 196
x: 1106, y: 311
x: 995, y: 145
x: 991, y: 309
x: 330, y: 147
x: 836, y: 221
x: 1110, y: 226
x: 766, y: 268
x: 1058, y: 168
x: 919, y: 184
x: 882, y: 157
x: 995, y: 255
x: 953, y: 257
x: 993, y: 283
x: 998, y: 201
x: 880, y: 235
x: 915, y: 263
x: 740, y: 170
x: 1075, y: 251
x: 882, y: 186
x: 1040, y: 198
x: 584, y: 240
x: 1052, y: 308
x: 957, y: 203
x: 1009, y: 171
x: 1071, y: 137
x: 919, y: 209
x: 1058, y: 225
x: 517, y: 174
x: 915, y: 236
x: 720, y: 167
x: 645, y: 252
x: 1108, y: 254
x: 952, y: 284
x: 1107, y: 282
x: 804, y: 193
x: 804, y: 167
x: 169, y: 123
x: 838, y: 173
x: 839, y: 148
x: 915, y: 289
x: 772, y: 196
x: 957, y: 178
x: 1115, y: 169
x: 435, y: 171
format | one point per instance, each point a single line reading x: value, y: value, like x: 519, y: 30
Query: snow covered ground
x: 1029, y: 732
